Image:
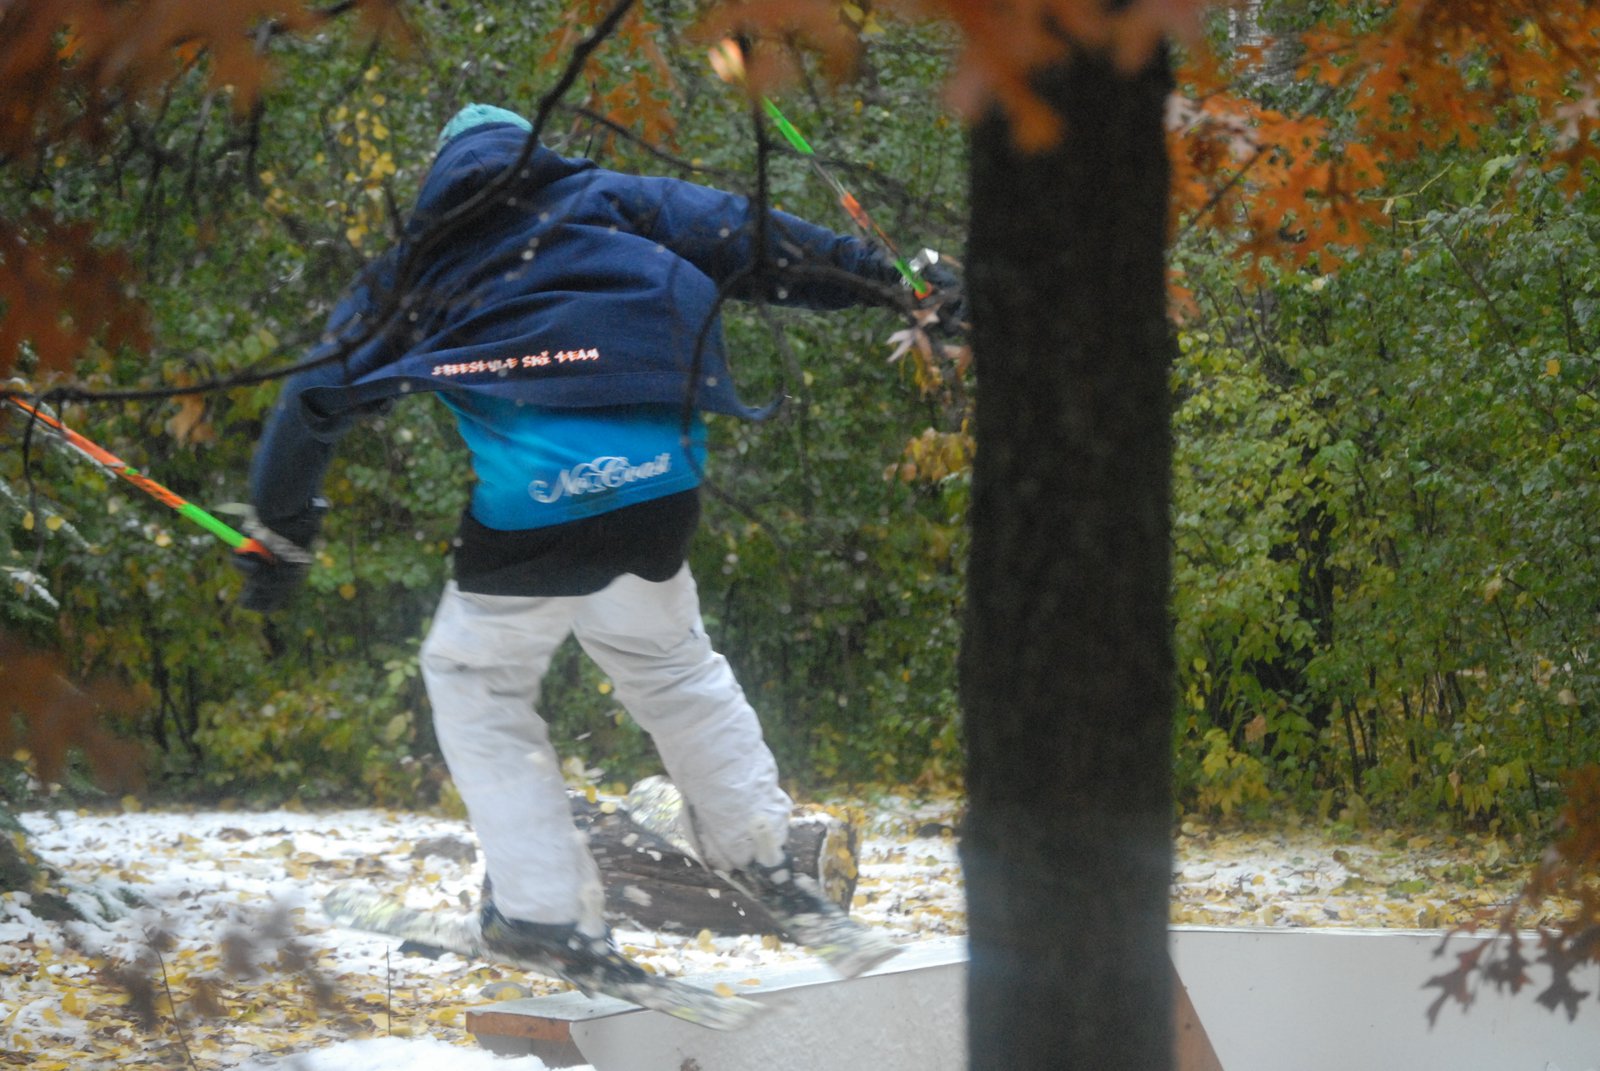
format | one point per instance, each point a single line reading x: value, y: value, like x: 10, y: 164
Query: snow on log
x: 653, y: 877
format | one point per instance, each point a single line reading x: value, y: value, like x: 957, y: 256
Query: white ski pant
x: 483, y: 662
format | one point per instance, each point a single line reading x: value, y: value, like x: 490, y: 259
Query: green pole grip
x: 211, y: 524
x: 919, y: 286
x: 787, y: 129
x: 793, y: 136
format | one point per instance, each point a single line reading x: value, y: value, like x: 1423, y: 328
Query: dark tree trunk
x: 1066, y: 665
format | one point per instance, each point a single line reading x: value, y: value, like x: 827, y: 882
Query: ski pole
x: 727, y: 60
x: 243, y: 544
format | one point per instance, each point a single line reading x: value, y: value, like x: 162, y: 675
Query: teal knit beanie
x: 477, y: 115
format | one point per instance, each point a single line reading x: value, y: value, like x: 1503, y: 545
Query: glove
x: 949, y: 295
x: 269, y: 583
x: 275, y: 566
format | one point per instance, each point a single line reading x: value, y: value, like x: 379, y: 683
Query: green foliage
x: 589, y: 725
x: 1385, y: 551
x: 353, y: 733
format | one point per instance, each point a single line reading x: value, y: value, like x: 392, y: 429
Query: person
x: 569, y: 319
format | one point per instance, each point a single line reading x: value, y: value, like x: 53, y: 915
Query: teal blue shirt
x: 537, y: 466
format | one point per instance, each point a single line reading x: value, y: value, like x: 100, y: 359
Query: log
x: 654, y: 880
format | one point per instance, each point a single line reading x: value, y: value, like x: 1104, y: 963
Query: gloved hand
x: 269, y: 583
x: 274, y: 565
x: 949, y: 296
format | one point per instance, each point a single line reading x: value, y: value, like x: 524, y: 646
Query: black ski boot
x: 593, y: 964
x: 809, y: 918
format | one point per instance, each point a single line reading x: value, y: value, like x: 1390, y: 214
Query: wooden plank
x: 502, y: 1039
x: 504, y: 1029
x: 511, y: 1025
x: 1194, y: 1051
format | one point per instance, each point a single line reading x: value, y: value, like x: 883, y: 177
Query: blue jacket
x: 581, y: 288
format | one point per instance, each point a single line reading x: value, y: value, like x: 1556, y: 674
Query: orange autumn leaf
x: 1566, y: 945
x: 816, y: 25
x: 70, y: 69
x: 52, y: 715
x: 1300, y: 190
x: 1402, y: 75
x: 644, y: 102
x: 68, y: 66
x: 60, y: 290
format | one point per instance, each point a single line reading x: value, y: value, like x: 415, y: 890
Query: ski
x: 460, y: 933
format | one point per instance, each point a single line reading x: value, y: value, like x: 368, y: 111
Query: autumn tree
x: 1067, y: 664
x: 1313, y: 172
x: 78, y: 77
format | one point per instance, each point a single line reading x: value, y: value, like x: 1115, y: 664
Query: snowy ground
x: 231, y: 964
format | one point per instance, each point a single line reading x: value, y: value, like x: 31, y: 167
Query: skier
x: 565, y: 321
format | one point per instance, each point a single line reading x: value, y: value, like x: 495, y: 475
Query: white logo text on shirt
x: 601, y: 474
